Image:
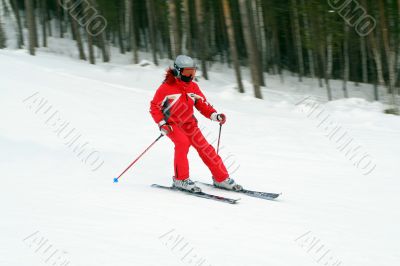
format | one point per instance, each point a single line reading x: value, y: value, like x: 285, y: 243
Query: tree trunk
x: 346, y: 69
x: 73, y: 32
x: 35, y: 28
x: 354, y: 56
x: 297, y: 37
x: 92, y: 58
x: 325, y: 49
x: 376, y: 53
x: 101, y: 38
x: 16, y: 10
x: 264, y: 41
x: 90, y: 39
x: 250, y: 48
x: 329, y: 62
x: 232, y: 44
x: 210, y: 28
x: 121, y: 31
x: 48, y: 20
x: 102, y: 41
x: 2, y: 36
x: 132, y: 31
x: 390, y: 54
x: 318, y: 41
x: 364, y: 59
x: 31, y: 29
x: 152, y: 30
x: 121, y: 39
x: 43, y: 12
x: 221, y: 35
x: 127, y: 20
x: 267, y: 37
x: 60, y: 20
x: 275, y: 46
x: 77, y: 34
x: 398, y: 43
x: 374, y: 75
x: 254, y: 26
x: 187, y: 27
x: 174, y: 30
x: 307, y: 36
x: 378, y: 60
x: 202, y: 37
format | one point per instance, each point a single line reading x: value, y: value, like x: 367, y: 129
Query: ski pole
x: 148, y: 148
x: 219, y: 137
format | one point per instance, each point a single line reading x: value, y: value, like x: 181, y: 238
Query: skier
x: 172, y: 110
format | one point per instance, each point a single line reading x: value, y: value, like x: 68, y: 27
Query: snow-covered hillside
x: 329, y: 213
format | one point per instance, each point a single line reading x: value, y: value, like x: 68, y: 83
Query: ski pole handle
x: 148, y: 148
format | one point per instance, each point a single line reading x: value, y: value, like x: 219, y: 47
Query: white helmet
x: 184, y: 68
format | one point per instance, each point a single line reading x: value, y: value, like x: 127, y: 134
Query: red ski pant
x: 186, y: 135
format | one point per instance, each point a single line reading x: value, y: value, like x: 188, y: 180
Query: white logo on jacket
x: 175, y: 98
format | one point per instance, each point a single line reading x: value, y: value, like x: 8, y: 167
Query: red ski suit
x: 173, y: 103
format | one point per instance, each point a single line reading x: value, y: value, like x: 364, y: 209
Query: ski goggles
x: 188, y: 72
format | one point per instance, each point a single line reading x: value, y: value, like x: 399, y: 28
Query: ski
x: 199, y: 194
x: 251, y: 193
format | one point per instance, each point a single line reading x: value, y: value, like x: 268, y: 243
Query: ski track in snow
x: 46, y: 189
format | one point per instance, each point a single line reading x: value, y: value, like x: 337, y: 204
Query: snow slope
x: 48, y: 193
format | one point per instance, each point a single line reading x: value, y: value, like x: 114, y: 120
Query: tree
x: 59, y: 11
x: 346, y: 69
x: 364, y: 59
x: 43, y: 14
x: 389, y: 51
x: 202, y: 37
x: 120, y: 26
x: 77, y: 34
x: 297, y: 38
x: 255, y: 32
x: 304, y: 37
x: 132, y: 30
x: 329, y: 65
x: 20, y: 37
x: 174, y: 29
x: 187, y: 28
x: 307, y: 36
x: 101, y: 38
x: 2, y: 36
x: 31, y: 26
x: 250, y: 48
x: 92, y: 59
x: 376, y: 53
x: 232, y: 44
x: 152, y: 29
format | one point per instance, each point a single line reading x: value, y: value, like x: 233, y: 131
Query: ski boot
x: 228, y: 184
x: 186, y: 184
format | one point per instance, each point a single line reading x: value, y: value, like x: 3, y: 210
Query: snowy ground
x: 48, y: 196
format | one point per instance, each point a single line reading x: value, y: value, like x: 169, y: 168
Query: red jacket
x: 174, y: 101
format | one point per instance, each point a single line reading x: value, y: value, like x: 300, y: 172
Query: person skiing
x: 172, y: 110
